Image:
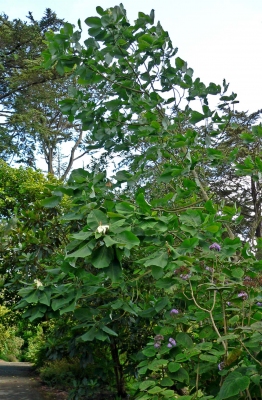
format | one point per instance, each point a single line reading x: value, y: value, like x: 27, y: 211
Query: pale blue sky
x: 218, y: 38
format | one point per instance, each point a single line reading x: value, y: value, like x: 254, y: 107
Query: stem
x: 217, y: 331
x: 249, y: 315
x: 230, y: 233
x: 224, y: 314
x: 197, y: 377
x: 243, y: 314
x: 248, y: 394
x: 251, y: 355
x: 194, y: 300
x: 206, y: 198
x: 210, y: 314
x: 199, y: 184
x: 118, y: 368
x: 224, y: 322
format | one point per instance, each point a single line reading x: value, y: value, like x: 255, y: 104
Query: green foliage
x: 28, y: 232
x: 33, y: 124
x: 20, y: 75
x: 20, y: 187
x: 10, y: 344
x: 35, y: 345
x: 60, y: 372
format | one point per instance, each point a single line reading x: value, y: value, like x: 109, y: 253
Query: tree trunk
x: 118, y: 368
x: 255, y: 192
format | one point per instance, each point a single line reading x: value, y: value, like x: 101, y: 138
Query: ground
x: 18, y: 382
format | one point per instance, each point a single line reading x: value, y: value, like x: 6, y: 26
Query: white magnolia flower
x: 38, y: 283
x: 102, y: 229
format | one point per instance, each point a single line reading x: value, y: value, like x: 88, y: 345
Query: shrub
x: 60, y: 373
x: 35, y: 346
x: 10, y: 345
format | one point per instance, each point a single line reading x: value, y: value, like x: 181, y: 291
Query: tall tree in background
x: 32, y: 124
x: 237, y: 182
x: 21, y: 44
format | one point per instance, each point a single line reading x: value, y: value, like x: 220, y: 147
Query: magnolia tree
x: 154, y: 272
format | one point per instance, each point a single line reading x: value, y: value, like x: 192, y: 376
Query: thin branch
x: 71, y: 160
x: 210, y: 313
x: 251, y: 355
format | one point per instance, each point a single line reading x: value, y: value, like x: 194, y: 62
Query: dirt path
x: 17, y: 382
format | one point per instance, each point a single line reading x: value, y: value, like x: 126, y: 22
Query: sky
x: 218, y: 38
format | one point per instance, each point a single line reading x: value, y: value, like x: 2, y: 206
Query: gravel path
x: 17, y: 382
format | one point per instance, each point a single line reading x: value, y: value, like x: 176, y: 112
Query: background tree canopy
x: 149, y: 280
x: 32, y: 126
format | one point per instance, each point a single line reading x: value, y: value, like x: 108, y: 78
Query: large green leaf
x: 233, y: 385
x: 114, y: 270
x: 124, y: 207
x: 71, y: 307
x: 60, y: 302
x: 26, y: 291
x: 148, y: 313
x: 157, y: 364
x: 179, y: 63
x: 102, y: 257
x: 83, y: 252
x: 164, y: 283
x: 181, y: 376
x: 161, y: 303
x: 169, y: 394
x: 113, y: 104
x: 170, y: 174
x: 96, y: 218
x: 208, y: 358
x: 149, y: 351
x: 191, y: 218
x: 146, y: 384
x: 37, y: 312
x: 196, y: 117
x: 108, y: 330
x: 160, y: 260
x: 173, y: 366
x: 94, y: 22
x: 32, y: 297
x: 89, y: 335
x: 188, y: 245
x: 166, y: 382
x: 184, y: 340
x: 82, y: 235
x: 154, y: 390
x: 100, y: 335
x: 83, y: 314
x: 143, y: 204
x: 123, y: 176
x: 157, y: 272
x: 237, y: 272
x: 51, y: 202
x: 45, y: 297
x: 128, y: 239
x: 79, y: 175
